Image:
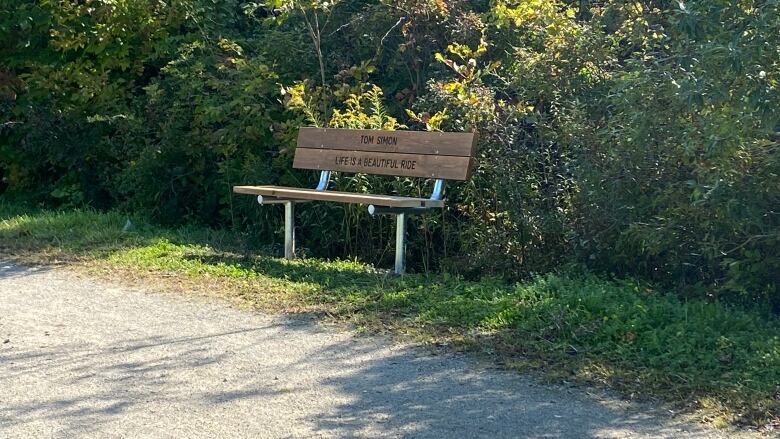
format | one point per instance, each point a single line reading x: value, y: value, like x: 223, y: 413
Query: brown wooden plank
x: 406, y: 142
x: 290, y: 193
x: 406, y: 165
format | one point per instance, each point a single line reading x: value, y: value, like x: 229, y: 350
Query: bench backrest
x: 447, y: 156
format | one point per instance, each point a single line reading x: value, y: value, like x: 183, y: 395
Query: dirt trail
x: 83, y: 358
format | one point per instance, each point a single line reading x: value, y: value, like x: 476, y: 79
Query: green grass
x: 623, y: 335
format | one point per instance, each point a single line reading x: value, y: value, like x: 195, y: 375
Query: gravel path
x: 82, y: 358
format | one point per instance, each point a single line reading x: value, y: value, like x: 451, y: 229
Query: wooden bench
x: 434, y: 155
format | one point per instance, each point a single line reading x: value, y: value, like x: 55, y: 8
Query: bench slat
x: 384, y: 163
x: 289, y: 193
x: 406, y: 142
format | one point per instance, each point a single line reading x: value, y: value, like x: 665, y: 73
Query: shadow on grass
x: 628, y: 336
x: 333, y: 275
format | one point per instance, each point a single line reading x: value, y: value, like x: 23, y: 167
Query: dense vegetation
x: 639, y: 138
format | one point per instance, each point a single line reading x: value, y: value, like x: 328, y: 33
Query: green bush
x: 640, y: 138
x: 668, y: 115
x: 208, y: 124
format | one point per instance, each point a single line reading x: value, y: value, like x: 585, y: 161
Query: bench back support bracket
x: 324, y: 180
x: 438, y: 189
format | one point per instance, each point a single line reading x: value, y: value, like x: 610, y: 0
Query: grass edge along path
x: 716, y: 361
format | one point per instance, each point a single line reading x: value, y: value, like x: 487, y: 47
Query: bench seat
x: 289, y: 193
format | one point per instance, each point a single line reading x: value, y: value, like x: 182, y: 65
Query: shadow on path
x: 86, y: 360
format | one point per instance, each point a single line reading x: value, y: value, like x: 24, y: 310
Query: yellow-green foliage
x: 639, y: 138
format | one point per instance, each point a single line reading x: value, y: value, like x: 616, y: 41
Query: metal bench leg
x: 400, y: 243
x: 289, y: 231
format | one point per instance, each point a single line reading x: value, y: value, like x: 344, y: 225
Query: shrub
x: 640, y: 138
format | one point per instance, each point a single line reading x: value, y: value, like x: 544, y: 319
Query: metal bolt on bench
x: 439, y: 156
